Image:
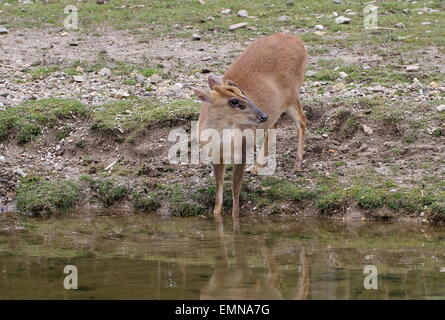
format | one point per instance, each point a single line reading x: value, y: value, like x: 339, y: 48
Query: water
x: 132, y: 256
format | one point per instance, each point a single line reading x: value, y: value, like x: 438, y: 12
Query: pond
x: 122, y: 255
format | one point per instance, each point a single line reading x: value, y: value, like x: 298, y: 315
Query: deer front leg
x: 238, y: 171
x: 219, y: 178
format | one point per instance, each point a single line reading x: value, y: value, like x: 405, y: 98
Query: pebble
x: 441, y: 108
x: 400, y: 25
x: 196, y: 37
x: 243, y: 13
x: 337, y: 1
x: 20, y: 172
x: 105, y: 72
x: 310, y: 73
x: 367, y: 129
x: 155, y: 79
x: 3, y: 30
x: 319, y: 27
x: 412, y: 68
x: 139, y: 78
x: 79, y: 78
x: 433, y: 85
x: 342, y: 20
x: 343, y: 75
x: 226, y: 11
x: 238, y: 25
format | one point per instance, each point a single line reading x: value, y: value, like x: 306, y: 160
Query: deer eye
x: 234, y: 102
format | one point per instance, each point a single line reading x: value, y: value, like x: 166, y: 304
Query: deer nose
x: 263, y: 117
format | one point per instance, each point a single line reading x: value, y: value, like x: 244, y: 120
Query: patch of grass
x: 136, y: 115
x: 332, y: 202
x: 146, y: 203
x: 107, y: 192
x: 278, y: 189
x: 369, y: 197
x: 41, y: 197
x: 27, y: 120
x: 42, y: 72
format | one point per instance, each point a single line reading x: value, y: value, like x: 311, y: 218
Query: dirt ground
x: 335, y: 143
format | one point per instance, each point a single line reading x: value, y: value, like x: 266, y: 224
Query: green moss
x: 27, y: 120
x: 106, y: 191
x: 332, y: 202
x: 369, y: 197
x: 42, y: 72
x: 146, y: 203
x: 40, y: 197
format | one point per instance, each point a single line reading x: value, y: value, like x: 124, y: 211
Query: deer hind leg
x: 219, y: 178
x: 260, y: 160
x: 295, y: 111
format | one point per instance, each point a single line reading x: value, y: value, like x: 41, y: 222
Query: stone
x: 367, y: 129
x: 337, y: 1
x: 310, y: 73
x: 400, y: 25
x: 338, y: 86
x: 441, y: 108
x: 282, y: 18
x: 319, y: 27
x: 20, y: 172
x: 155, y: 79
x: 238, y: 25
x: 3, y: 30
x: 196, y: 37
x: 433, y: 85
x: 343, y: 75
x: 139, y: 78
x: 79, y: 78
x: 243, y: 13
x: 226, y: 11
x: 105, y: 72
x: 342, y: 20
x: 412, y: 68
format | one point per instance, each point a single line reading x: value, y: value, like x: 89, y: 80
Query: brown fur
x: 268, y: 74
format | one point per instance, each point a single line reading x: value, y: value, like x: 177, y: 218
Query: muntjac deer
x: 263, y: 83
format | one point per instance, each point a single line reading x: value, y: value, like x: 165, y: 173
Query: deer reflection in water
x: 240, y: 281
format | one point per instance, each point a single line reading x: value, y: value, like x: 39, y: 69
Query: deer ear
x: 202, y: 95
x: 214, y: 80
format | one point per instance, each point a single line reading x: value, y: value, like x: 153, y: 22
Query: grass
x: 136, y: 115
x: 106, y: 191
x: 160, y: 17
x: 38, y: 197
x: 146, y: 203
x: 28, y: 120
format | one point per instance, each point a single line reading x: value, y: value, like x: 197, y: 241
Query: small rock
x: 441, y: 108
x: 337, y: 1
x: 367, y: 129
x: 120, y: 94
x: 412, y: 68
x: 377, y: 89
x: 342, y: 20
x: 310, y: 73
x: 4, y: 93
x: 3, y: 30
x: 343, y: 75
x: 139, y: 78
x: 2, y: 158
x: 155, y: 79
x: 243, y: 13
x: 20, y: 172
x: 400, y: 25
x: 338, y: 86
x: 433, y: 85
x: 226, y: 11
x: 335, y: 14
x: 319, y: 27
x: 105, y: 72
x: 196, y: 37
x: 79, y: 78
x: 282, y: 18
x: 238, y: 25
x: 111, y: 165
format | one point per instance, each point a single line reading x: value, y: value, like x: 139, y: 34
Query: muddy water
x: 132, y: 256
